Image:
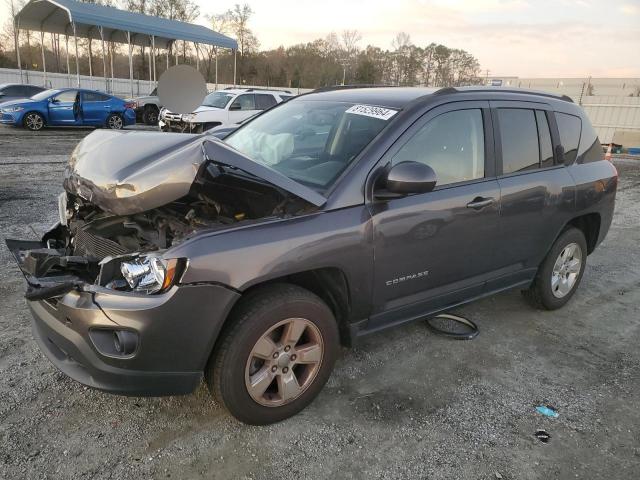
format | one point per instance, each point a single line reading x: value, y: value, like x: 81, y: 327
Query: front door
x: 242, y: 107
x: 438, y: 248
x: 64, y: 108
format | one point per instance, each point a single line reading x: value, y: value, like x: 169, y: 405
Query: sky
x: 524, y: 38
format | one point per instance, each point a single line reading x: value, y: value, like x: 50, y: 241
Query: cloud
x: 630, y: 9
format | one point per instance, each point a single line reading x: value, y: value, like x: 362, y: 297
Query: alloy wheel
x: 284, y: 362
x: 115, y: 122
x: 566, y: 270
x: 34, y: 121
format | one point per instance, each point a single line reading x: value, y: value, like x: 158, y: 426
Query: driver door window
x: 67, y: 96
x: 452, y: 144
x: 244, y: 102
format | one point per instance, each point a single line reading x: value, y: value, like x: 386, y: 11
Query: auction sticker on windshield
x: 371, y: 111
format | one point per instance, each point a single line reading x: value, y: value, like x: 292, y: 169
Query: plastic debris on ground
x: 547, y: 411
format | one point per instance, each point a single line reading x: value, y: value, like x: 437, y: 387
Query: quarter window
x: 519, y: 140
x: 452, y: 144
x: 569, y: 127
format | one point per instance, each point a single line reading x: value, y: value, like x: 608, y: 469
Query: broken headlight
x: 150, y: 274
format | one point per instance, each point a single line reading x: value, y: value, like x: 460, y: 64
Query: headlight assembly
x: 188, y: 117
x: 12, y: 109
x: 150, y: 274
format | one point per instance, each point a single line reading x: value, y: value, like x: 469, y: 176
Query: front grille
x: 87, y: 244
x: 173, y: 117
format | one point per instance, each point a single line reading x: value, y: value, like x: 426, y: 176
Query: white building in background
x: 613, y: 104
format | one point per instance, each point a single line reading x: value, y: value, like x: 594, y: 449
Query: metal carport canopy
x: 60, y: 16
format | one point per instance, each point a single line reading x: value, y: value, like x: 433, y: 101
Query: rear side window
x: 519, y: 140
x: 95, y: 97
x: 569, y: 127
x: 452, y: 144
x: 264, y: 101
x: 14, y: 91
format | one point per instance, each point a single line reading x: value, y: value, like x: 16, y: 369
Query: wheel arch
x: 44, y: 115
x: 589, y: 225
x: 329, y: 283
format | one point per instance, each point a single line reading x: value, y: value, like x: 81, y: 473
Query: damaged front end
x: 130, y: 197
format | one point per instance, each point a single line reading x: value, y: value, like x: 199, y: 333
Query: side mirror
x: 234, y: 106
x: 409, y: 177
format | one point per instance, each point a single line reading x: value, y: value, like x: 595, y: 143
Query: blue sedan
x: 68, y: 107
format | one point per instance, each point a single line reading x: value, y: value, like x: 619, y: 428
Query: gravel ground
x: 404, y: 404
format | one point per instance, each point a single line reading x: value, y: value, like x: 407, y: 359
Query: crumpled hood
x: 130, y: 172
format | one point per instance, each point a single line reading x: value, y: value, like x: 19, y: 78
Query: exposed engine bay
x: 116, y: 239
x: 217, y: 199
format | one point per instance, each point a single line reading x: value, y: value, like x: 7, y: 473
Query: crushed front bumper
x: 174, y: 335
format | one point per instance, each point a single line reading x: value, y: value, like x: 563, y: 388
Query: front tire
x: 561, y: 271
x: 115, y: 122
x: 275, y: 356
x: 33, y: 121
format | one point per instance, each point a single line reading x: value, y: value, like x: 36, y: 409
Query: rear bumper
x: 76, y: 334
x: 129, y: 117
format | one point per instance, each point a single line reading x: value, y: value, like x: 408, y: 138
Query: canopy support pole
x: 66, y: 51
x: 111, y: 58
x: 104, y: 60
x: 130, y: 63
x: 168, y: 47
x: 235, y: 62
x: 16, y: 35
x: 215, y: 49
x: 150, y: 53
x: 153, y: 48
x: 44, y: 62
x: 75, y: 40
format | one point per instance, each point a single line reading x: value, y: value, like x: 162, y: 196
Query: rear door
x: 64, y: 108
x: 95, y: 108
x: 435, y: 249
x: 536, y: 189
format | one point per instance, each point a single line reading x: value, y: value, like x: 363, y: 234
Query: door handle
x: 479, y: 203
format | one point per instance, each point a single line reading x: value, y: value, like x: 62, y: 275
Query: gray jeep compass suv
x: 248, y: 260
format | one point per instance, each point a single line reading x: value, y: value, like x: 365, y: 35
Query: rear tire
x: 33, y: 121
x: 560, y: 272
x: 275, y: 355
x: 115, y: 122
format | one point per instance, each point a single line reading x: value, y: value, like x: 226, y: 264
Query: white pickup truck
x: 222, y: 107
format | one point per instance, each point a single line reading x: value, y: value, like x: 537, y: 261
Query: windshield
x: 44, y: 94
x: 311, y: 142
x: 217, y: 99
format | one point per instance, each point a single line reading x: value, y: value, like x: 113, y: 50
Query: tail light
x: 132, y: 105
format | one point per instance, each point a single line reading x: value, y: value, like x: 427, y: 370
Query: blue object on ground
x: 634, y: 150
x: 547, y: 411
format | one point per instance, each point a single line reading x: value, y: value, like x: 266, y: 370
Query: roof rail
x: 348, y: 87
x: 259, y: 89
x: 449, y: 90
